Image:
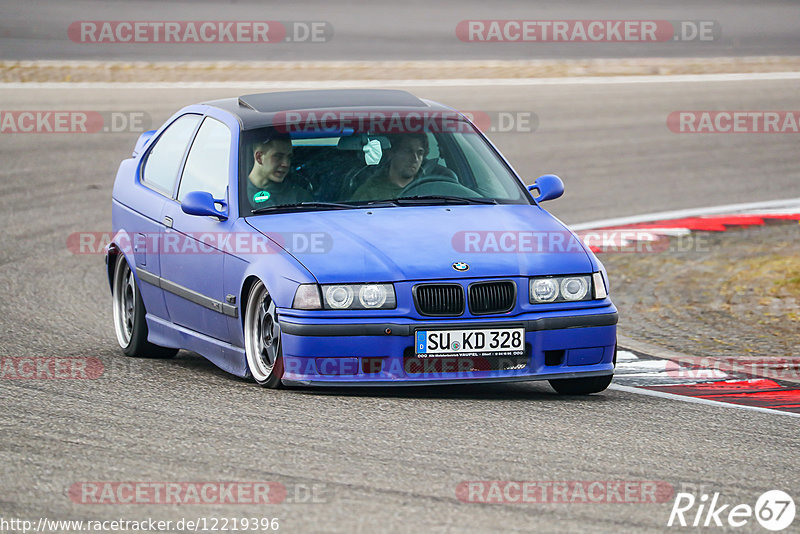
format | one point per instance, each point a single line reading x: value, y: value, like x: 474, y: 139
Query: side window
x: 207, y: 166
x: 164, y: 159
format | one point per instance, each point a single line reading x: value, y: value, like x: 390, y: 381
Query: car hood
x: 393, y: 244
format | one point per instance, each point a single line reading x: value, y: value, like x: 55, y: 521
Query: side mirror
x: 202, y: 203
x: 141, y: 143
x: 549, y: 186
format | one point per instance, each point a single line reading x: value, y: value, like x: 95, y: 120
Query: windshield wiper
x: 305, y: 206
x: 446, y: 199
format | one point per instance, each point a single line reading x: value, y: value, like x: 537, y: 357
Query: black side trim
x: 186, y: 293
x: 353, y: 329
x: 328, y: 330
x: 147, y: 276
x: 578, y: 321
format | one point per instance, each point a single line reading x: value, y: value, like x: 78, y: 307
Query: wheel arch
x: 247, y: 286
x: 113, y: 252
x: 281, y: 277
x: 119, y: 244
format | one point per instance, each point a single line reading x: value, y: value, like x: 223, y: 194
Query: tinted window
x: 161, y: 168
x: 206, y: 167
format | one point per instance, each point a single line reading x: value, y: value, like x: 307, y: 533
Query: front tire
x: 129, y: 316
x: 581, y: 386
x: 262, y: 338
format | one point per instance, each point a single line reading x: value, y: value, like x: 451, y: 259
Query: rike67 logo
x: 774, y: 510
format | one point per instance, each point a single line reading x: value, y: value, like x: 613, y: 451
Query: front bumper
x: 570, y: 344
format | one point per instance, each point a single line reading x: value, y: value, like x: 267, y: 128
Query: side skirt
x: 224, y: 355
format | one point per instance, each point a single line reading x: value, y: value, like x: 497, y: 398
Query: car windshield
x: 446, y: 161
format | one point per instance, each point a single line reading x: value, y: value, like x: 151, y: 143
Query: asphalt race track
x: 411, y: 460
x: 384, y: 29
x: 377, y: 460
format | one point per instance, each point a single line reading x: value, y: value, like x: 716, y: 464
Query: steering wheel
x: 303, y: 181
x: 354, y: 179
x: 437, y: 184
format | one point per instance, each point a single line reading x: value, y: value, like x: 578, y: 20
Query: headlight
x: 563, y: 289
x: 359, y: 297
x: 544, y: 290
x: 345, y: 297
x: 374, y: 296
x: 338, y: 297
x: 575, y: 288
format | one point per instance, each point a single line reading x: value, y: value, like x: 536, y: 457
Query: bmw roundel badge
x: 460, y: 266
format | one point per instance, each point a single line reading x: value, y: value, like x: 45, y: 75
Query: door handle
x: 168, y: 222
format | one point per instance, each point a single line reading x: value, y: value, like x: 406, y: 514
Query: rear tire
x: 128, y: 310
x: 581, y: 386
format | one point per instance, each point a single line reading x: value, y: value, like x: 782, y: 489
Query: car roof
x: 260, y: 109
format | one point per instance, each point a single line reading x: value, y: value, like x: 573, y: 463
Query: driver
x: 266, y: 183
x: 403, y: 165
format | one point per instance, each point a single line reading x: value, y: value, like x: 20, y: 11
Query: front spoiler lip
x: 401, y: 329
x: 451, y: 381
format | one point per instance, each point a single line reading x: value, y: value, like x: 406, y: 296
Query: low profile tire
x: 129, y: 322
x: 581, y: 386
x: 262, y: 338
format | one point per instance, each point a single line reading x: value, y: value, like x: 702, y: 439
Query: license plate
x: 484, y: 342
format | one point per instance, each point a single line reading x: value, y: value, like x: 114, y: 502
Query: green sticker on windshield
x: 261, y: 196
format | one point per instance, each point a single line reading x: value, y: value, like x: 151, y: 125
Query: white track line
x: 458, y: 82
x: 790, y: 204
x: 695, y: 400
x: 626, y: 356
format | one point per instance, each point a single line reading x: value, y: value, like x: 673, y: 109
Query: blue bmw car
x: 351, y: 238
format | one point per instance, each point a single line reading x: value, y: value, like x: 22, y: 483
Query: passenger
x: 267, y: 184
x: 405, y: 158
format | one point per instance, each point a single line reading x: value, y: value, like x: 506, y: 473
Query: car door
x: 159, y: 177
x: 191, y: 255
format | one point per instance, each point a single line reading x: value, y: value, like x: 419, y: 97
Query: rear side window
x: 164, y: 159
x: 207, y: 167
